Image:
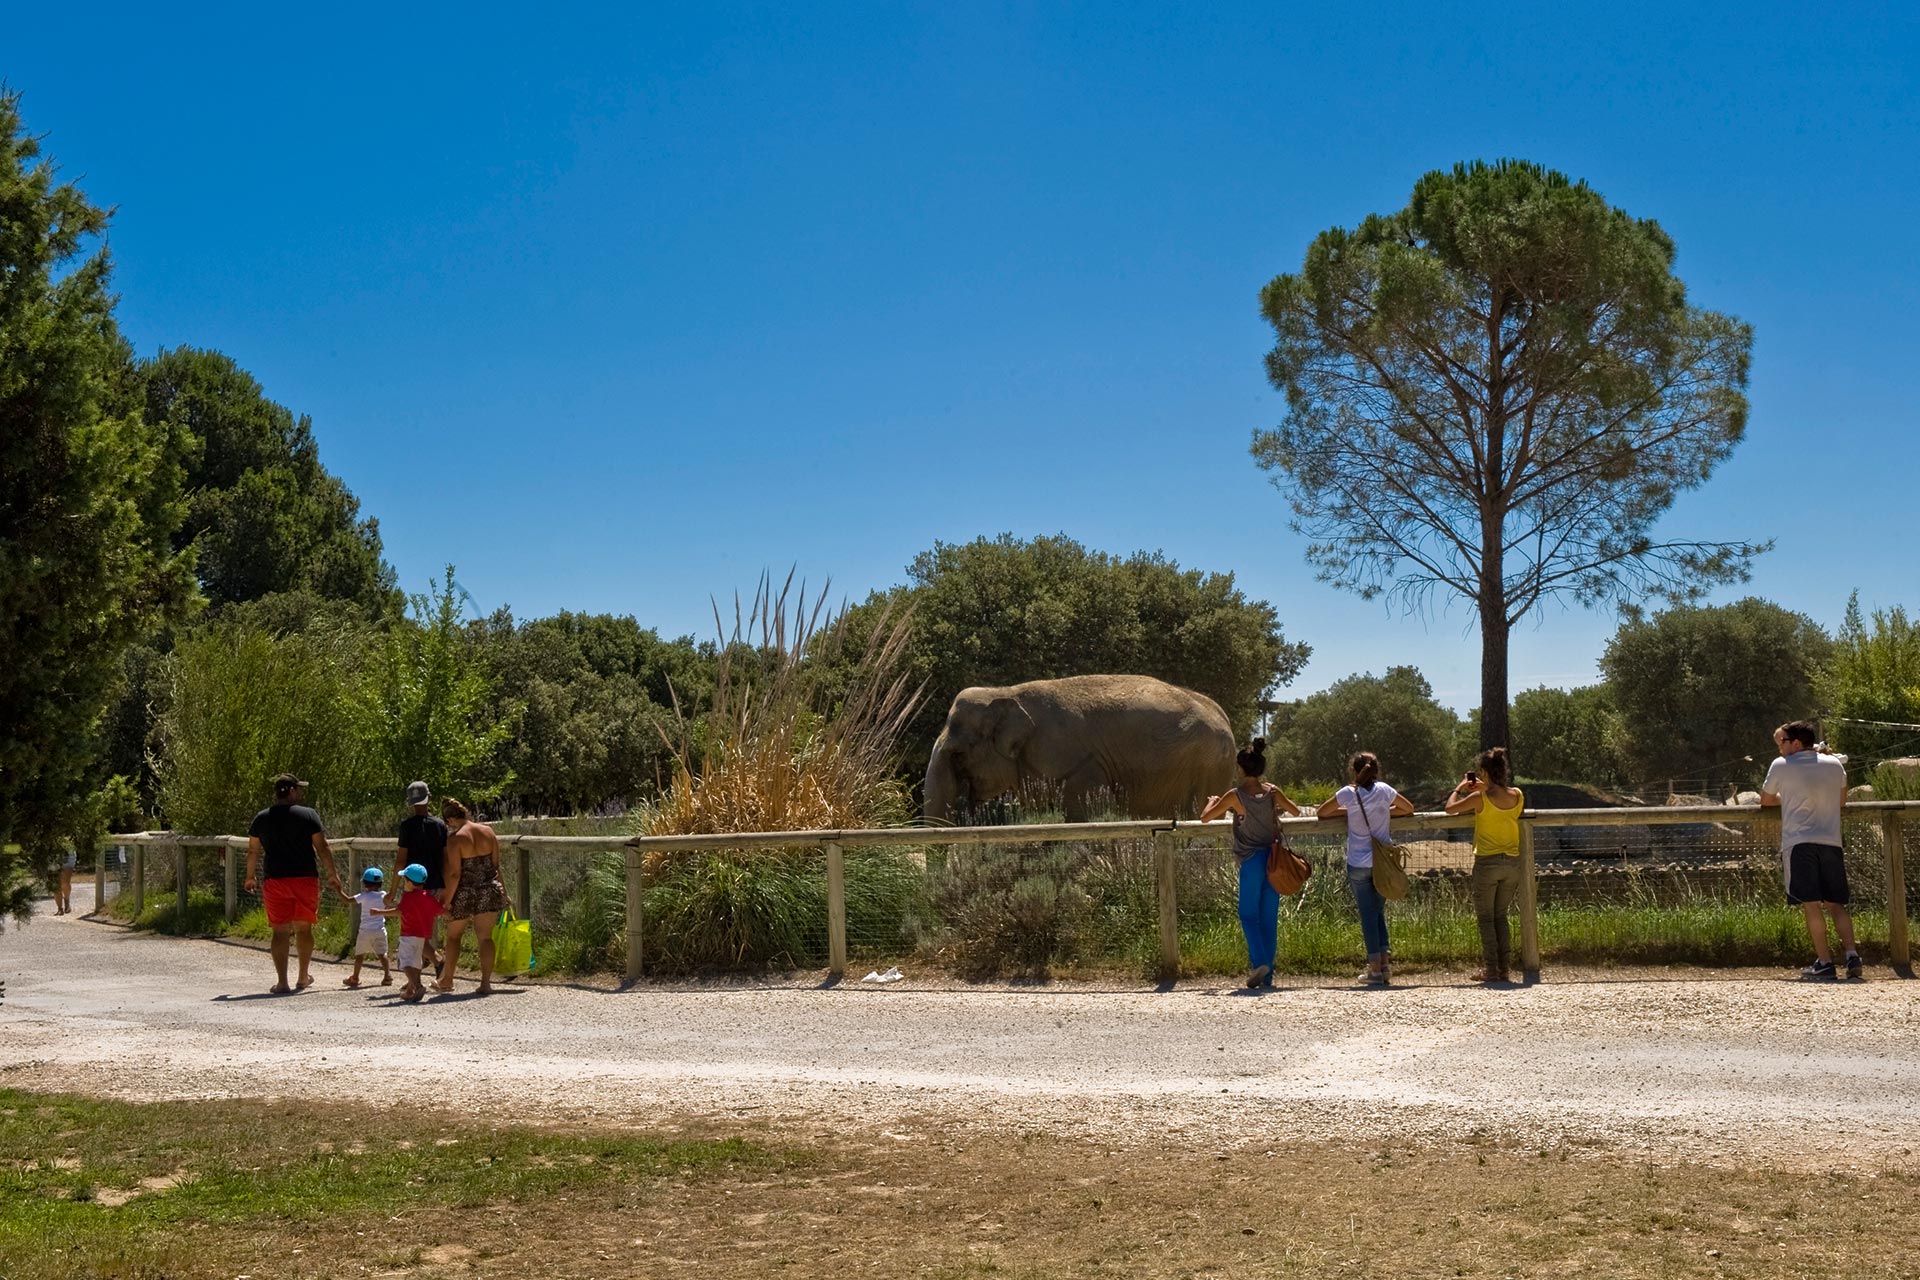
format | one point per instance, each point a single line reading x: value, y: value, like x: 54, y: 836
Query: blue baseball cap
x: 373, y: 875
x: 414, y: 872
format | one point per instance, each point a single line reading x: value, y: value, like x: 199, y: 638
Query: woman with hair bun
x: 1254, y: 802
x: 1368, y: 804
x: 1487, y: 792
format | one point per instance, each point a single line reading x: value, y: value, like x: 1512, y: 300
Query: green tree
x: 1001, y: 611
x: 1701, y: 688
x: 590, y: 697
x: 1394, y: 716
x: 427, y: 705
x: 1568, y: 735
x: 1875, y: 676
x: 244, y: 702
x: 263, y: 514
x: 1496, y: 392
x: 89, y: 500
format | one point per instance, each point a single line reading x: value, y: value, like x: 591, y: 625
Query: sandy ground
x: 1669, y: 1066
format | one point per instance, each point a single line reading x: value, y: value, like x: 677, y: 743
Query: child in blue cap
x: 372, y: 938
x: 418, y: 910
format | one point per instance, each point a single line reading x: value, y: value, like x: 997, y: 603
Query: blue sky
x: 618, y: 306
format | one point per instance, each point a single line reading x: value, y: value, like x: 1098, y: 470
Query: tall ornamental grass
x: 802, y: 732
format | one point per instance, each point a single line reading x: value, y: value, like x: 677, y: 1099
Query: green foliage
x: 1495, y: 393
x: 766, y: 908
x: 1569, y: 735
x: 1394, y: 716
x: 426, y: 704
x: 1700, y: 688
x: 90, y: 496
x: 1875, y: 675
x: 1017, y: 908
x: 1002, y: 611
x: 592, y: 708
x: 263, y: 515
x: 245, y: 703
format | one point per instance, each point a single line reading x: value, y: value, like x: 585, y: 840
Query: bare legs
x: 483, y: 943
x: 297, y: 936
x: 1817, y: 927
x: 63, y: 898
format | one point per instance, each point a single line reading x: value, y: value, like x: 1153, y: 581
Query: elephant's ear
x: 1012, y: 726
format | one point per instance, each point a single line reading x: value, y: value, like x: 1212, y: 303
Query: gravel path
x: 1707, y: 1066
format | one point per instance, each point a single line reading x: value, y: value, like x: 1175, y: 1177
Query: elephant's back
x: 1176, y: 712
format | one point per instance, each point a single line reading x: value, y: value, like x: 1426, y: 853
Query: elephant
x: 1161, y: 748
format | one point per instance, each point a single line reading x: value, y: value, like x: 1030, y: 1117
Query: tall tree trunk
x: 1493, y: 674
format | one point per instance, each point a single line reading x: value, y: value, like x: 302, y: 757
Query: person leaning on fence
x: 1368, y: 804
x: 291, y: 840
x: 1809, y: 788
x: 1253, y: 802
x: 1487, y: 792
x: 474, y: 894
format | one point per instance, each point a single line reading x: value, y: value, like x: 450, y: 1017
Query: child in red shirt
x: 418, y: 910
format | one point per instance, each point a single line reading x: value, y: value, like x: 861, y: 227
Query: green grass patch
x: 100, y: 1188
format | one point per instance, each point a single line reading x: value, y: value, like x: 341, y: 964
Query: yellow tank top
x: 1496, y: 831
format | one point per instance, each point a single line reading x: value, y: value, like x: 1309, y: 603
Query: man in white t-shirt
x: 1809, y: 788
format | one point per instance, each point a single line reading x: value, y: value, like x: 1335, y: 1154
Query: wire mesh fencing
x: 1700, y: 886
x: 1709, y: 892
x: 1021, y: 908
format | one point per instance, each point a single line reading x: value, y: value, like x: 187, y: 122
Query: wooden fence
x: 833, y: 845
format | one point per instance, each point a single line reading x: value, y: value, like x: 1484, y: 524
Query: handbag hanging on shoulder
x: 1389, y: 860
x: 1287, y: 871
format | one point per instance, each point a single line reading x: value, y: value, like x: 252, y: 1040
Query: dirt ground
x: 1638, y: 1123
x: 1701, y: 1067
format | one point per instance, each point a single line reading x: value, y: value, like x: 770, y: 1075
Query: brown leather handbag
x: 1287, y: 871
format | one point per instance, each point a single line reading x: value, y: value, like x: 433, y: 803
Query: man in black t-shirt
x: 423, y: 839
x: 291, y: 840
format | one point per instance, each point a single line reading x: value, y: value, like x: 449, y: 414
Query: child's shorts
x: 411, y: 951
x: 371, y: 942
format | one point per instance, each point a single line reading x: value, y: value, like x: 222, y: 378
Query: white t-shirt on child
x: 372, y: 927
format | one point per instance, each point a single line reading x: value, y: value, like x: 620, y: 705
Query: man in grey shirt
x: 1809, y: 788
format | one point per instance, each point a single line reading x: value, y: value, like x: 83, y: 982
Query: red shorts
x: 291, y: 899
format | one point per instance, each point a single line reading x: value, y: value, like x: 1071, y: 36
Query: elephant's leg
x: 1079, y: 788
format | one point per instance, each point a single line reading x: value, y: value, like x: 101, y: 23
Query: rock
x: 1907, y: 768
x: 1746, y: 798
x: 1862, y: 792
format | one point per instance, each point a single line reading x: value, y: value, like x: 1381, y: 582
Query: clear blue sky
x: 615, y: 306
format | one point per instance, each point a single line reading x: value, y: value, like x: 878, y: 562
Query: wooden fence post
x: 836, y: 910
x: 180, y: 887
x: 1165, y: 868
x: 1529, y: 908
x: 100, y: 880
x: 636, y: 911
x: 230, y: 874
x: 523, y: 889
x: 139, y: 879
x: 1896, y: 851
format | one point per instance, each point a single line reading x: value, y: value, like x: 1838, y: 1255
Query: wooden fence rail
x: 1163, y: 834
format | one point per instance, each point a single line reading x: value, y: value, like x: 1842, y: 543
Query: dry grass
x: 802, y: 733
x: 912, y: 1200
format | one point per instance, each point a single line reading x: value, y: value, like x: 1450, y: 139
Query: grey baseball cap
x: 416, y: 793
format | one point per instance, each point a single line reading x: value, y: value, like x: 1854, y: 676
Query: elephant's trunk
x: 942, y: 787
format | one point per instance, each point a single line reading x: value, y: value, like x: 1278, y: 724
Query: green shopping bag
x: 512, y: 944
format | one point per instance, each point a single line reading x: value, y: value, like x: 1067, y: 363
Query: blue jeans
x: 1259, y: 911
x: 1373, y: 910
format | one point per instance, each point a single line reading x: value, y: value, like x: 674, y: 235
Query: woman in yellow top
x: 1489, y: 795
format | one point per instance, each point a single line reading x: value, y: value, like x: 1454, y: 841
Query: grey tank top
x: 1254, y: 832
